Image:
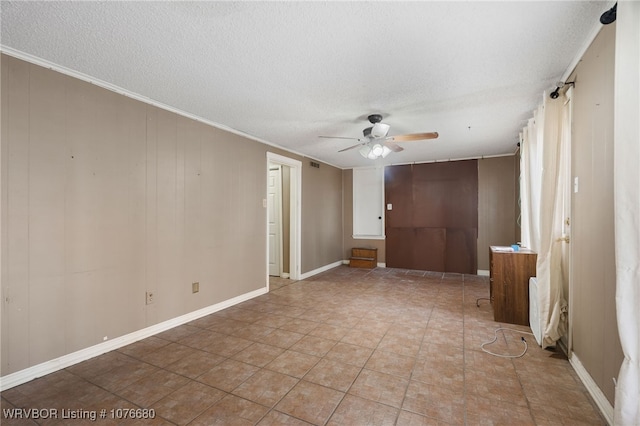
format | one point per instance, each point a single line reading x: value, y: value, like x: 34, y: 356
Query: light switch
x: 389, y: 206
x: 575, y: 184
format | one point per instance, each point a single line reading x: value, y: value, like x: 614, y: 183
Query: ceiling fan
x: 376, y: 143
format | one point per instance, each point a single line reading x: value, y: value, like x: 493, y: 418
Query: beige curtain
x: 551, y: 262
x: 525, y: 190
x: 530, y: 172
x: 627, y: 209
x: 542, y: 191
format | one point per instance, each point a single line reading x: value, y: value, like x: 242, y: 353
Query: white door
x: 274, y: 216
x: 368, y: 203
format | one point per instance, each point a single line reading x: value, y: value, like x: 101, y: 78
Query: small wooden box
x: 364, y: 258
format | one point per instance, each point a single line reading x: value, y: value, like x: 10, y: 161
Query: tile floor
x: 346, y: 347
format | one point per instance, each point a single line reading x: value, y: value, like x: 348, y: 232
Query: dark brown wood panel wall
x: 433, y: 223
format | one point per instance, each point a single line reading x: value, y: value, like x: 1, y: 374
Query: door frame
x: 295, y: 206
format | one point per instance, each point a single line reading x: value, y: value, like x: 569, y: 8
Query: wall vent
x: 314, y: 164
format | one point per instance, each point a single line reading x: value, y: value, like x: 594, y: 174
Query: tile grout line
x: 464, y: 353
x: 114, y: 392
x: 300, y: 379
x: 364, y: 368
x: 225, y: 358
x: 273, y: 408
x: 321, y: 358
x: 346, y: 392
x: 422, y: 342
x: 522, y: 388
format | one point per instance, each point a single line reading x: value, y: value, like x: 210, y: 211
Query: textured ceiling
x: 286, y: 72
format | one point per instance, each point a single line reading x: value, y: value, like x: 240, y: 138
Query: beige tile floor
x: 346, y: 347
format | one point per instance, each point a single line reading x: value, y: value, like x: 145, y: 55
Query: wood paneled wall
x: 105, y: 198
x: 497, y: 205
x: 592, y: 309
x: 321, y: 216
x: 433, y: 224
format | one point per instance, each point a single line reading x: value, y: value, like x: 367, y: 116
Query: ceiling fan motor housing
x: 379, y: 130
x: 374, y: 118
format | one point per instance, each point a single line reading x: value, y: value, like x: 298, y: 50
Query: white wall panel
x: 192, y: 136
x: 168, y: 261
x: 121, y: 281
x: 82, y: 299
x: 81, y: 209
x: 47, y: 152
x: 47, y: 331
x: 151, y: 225
x: 15, y: 215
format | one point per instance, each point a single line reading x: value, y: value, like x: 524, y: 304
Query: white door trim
x: 295, y: 230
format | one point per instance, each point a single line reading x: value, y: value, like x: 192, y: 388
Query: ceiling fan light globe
x: 385, y: 151
x: 377, y: 150
x: 365, y: 151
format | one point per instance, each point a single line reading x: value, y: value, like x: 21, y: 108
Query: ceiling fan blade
x: 338, y: 137
x: 351, y: 147
x: 412, y: 137
x: 394, y: 147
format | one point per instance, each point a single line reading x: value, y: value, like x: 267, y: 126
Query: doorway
x: 283, y: 215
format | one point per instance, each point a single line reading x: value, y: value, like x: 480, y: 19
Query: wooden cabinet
x: 509, y: 284
x: 364, y: 258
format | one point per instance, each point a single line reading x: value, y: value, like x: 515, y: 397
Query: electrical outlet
x: 150, y: 297
x: 195, y: 287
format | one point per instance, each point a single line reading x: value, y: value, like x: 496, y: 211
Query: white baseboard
x: 321, y: 269
x: 601, y: 401
x: 483, y: 272
x: 51, y: 366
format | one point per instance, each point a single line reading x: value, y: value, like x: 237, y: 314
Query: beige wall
x: 321, y: 216
x: 496, y: 205
x: 592, y: 305
x: 105, y: 198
